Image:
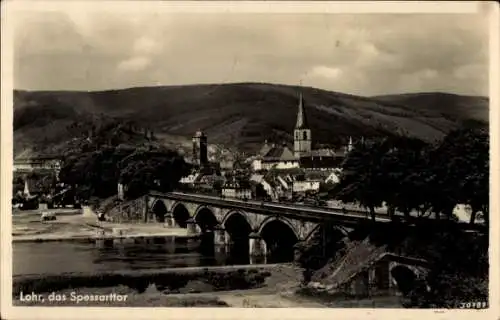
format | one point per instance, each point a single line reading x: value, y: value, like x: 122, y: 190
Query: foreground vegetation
x: 171, y: 281
x: 458, y: 260
x: 411, y: 175
x: 150, y: 298
x: 107, y: 157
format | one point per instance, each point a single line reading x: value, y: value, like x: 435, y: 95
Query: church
x: 302, y: 156
x: 309, y: 158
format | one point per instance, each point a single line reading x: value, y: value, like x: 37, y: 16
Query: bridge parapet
x: 256, y: 219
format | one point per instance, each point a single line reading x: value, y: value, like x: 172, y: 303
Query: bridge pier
x: 192, y: 227
x: 296, y: 251
x: 221, y: 239
x: 169, y: 220
x: 257, y: 246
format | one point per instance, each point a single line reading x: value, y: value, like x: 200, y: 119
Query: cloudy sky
x: 363, y: 54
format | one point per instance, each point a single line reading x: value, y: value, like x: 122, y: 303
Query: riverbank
x: 73, y: 225
x: 208, y: 286
x: 266, y: 286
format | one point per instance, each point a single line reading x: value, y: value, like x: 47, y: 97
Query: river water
x: 55, y: 257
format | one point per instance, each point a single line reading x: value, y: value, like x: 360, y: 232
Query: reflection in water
x: 131, y: 254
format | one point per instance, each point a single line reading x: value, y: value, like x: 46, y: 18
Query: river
x: 54, y: 257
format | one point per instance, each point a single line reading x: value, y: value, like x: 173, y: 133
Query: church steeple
x: 301, y: 115
x: 302, y: 133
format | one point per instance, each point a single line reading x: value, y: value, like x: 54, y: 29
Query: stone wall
x: 128, y: 211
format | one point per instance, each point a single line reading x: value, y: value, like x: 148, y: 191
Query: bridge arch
x: 280, y: 237
x: 205, y: 218
x: 273, y: 219
x: 159, y: 210
x: 404, y: 277
x: 238, y: 228
x: 180, y: 214
x: 237, y: 225
x: 230, y: 214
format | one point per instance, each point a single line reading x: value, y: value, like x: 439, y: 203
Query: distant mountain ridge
x: 242, y: 115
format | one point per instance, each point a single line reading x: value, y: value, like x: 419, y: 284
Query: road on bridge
x: 304, y: 212
x: 293, y: 211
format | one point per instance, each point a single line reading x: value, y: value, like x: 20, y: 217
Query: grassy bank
x: 166, y: 280
x: 264, y: 286
x: 152, y: 297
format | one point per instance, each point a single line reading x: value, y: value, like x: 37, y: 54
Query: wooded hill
x: 240, y: 115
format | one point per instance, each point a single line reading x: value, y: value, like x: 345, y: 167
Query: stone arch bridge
x: 261, y: 227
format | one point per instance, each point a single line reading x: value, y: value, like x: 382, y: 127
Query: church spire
x: 301, y: 115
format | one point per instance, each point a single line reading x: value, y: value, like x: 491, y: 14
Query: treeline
x: 115, y: 153
x: 409, y: 175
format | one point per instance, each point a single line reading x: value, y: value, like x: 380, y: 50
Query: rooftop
x: 280, y: 153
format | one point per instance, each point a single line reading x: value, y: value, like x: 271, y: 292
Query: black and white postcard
x: 249, y: 159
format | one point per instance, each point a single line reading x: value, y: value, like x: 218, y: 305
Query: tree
x: 458, y: 266
x: 97, y: 166
x: 460, y: 167
x: 362, y: 177
x: 18, y: 185
x: 140, y: 170
x: 403, y: 174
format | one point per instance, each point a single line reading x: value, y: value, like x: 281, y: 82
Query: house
x: 282, y: 182
x: 46, y: 162
x: 226, y: 164
x: 322, y: 159
x: 236, y: 192
x: 305, y: 186
x: 464, y: 211
x: 267, y: 186
x: 190, y: 179
x: 309, y: 181
x: 333, y: 177
x: 37, y: 186
x: 275, y: 156
x: 235, y: 189
x: 370, y: 270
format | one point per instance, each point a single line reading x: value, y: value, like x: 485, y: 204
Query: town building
x: 266, y: 186
x: 300, y: 186
x: 234, y: 189
x: 200, y: 149
x: 43, y: 162
x: 272, y: 156
x: 310, y: 158
x: 275, y: 157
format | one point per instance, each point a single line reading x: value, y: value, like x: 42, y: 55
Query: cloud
x: 141, y: 56
x: 364, y: 54
x: 145, y: 45
x: 134, y: 64
x: 469, y: 71
x: 327, y: 72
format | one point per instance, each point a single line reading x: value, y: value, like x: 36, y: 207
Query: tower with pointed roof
x: 302, y: 132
